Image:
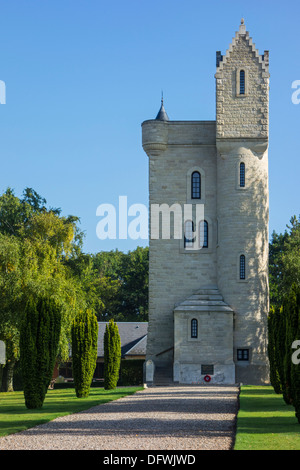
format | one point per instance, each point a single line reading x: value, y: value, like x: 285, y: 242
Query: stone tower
x: 208, y: 289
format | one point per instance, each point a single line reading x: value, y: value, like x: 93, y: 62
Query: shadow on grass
x: 269, y: 425
x: 263, y: 399
x: 258, y: 391
x: 265, y: 421
x: 16, y: 417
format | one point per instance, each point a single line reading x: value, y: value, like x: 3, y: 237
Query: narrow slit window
x: 242, y: 267
x: 196, y: 185
x: 242, y: 82
x: 194, y: 328
x: 189, y: 234
x: 242, y: 175
x: 203, y: 235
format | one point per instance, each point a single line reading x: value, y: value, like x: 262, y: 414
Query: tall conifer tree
x: 112, y: 355
x: 39, y: 339
x: 84, y: 351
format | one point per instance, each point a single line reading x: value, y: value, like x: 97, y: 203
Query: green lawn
x: 14, y: 416
x: 265, y: 422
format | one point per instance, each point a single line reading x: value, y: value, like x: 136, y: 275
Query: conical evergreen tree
x: 294, y: 366
x: 84, y: 351
x: 280, y: 331
x: 39, y: 338
x: 291, y: 314
x: 272, y: 338
x: 112, y: 355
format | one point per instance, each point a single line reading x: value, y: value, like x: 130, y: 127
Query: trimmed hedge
x: 131, y: 372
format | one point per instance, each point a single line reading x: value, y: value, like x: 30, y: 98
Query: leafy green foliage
x: 41, y: 256
x: 123, y: 284
x: 284, y: 261
x: 34, y: 243
x: 115, y: 284
x: 112, y: 355
x: 84, y: 351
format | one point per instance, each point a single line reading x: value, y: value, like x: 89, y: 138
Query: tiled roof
x: 133, y: 338
x: 139, y: 349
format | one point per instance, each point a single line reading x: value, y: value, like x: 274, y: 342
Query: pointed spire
x: 162, y: 115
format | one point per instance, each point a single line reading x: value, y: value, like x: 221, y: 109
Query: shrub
x: 291, y: 314
x: 272, y: 337
x: 112, y: 355
x: 39, y: 338
x: 131, y: 372
x: 280, y: 327
x: 284, y: 329
x: 293, y: 334
x: 84, y: 351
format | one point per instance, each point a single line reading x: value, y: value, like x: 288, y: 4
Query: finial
x: 242, y: 30
x: 162, y: 115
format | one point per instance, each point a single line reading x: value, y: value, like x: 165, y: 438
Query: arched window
x: 242, y: 175
x: 194, y: 328
x: 242, y: 82
x: 203, y: 236
x: 196, y: 185
x: 189, y: 234
x: 242, y: 267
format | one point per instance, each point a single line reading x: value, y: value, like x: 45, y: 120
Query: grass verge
x: 265, y: 422
x: 15, y: 417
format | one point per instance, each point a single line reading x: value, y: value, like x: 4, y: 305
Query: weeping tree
x: 39, y: 340
x: 35, y: 243
x: 84, y: 351
x: 112, y: 355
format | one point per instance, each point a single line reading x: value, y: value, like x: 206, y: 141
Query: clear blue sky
x: 82, y: 76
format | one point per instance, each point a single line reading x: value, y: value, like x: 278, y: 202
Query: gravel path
x: 156, y: 418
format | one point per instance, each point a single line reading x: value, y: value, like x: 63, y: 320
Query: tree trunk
x: 10, y: 375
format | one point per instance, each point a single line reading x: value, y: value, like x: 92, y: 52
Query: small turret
x: 155, y: 132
